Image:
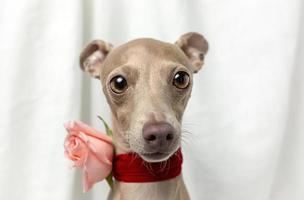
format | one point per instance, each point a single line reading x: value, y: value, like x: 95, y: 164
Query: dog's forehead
x: 143, y: 52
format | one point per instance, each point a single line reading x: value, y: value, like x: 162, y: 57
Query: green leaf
x: 109, y: 178
x: 108, y: 130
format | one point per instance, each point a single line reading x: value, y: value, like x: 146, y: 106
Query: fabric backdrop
x: 246, y: 114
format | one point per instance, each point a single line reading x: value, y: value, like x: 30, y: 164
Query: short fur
x: 148, y: 66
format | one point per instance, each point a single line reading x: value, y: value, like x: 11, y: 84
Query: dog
x: 147, y: 84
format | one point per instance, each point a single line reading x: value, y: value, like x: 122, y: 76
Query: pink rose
x: 90, y: 150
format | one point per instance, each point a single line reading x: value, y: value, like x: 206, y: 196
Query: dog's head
x: 147, y: 84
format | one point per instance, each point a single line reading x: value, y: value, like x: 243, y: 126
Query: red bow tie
x: 132, y: 168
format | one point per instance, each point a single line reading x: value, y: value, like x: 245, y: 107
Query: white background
x: 245, y: 116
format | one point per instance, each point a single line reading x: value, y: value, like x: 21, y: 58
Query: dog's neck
x: 172, y: 189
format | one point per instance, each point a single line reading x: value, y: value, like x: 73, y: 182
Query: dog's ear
x: 93, y: 56
x: 195, y: 46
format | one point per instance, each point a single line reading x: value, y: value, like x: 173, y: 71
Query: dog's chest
x: 165, y: 190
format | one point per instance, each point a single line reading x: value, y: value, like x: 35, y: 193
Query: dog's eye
x: 118, y: 84
x: 181, y: 80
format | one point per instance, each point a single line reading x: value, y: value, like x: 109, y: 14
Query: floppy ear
x: 93, y: 56
x: 195, y: 46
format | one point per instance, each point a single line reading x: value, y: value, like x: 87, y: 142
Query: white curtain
x: 246, y: 114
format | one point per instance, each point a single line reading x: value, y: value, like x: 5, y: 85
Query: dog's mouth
x: 156, y: 156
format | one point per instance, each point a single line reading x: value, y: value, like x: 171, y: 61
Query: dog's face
x: 147, y: 84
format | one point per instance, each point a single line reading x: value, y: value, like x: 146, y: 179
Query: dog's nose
x: 158, y: 135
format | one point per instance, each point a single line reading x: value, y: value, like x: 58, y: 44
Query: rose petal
x: 90, y: 150
x: 95, y: 171
x: 77, y: 125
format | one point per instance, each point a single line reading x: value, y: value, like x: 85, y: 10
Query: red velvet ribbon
x: 132, y: 168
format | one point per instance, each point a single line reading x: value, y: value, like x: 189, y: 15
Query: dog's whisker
x: 185, y: 143
x: 186, y: 131
x: 163, y: 165
x: 169, y: 165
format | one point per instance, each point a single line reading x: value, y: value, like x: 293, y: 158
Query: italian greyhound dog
x: 147, y: 84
